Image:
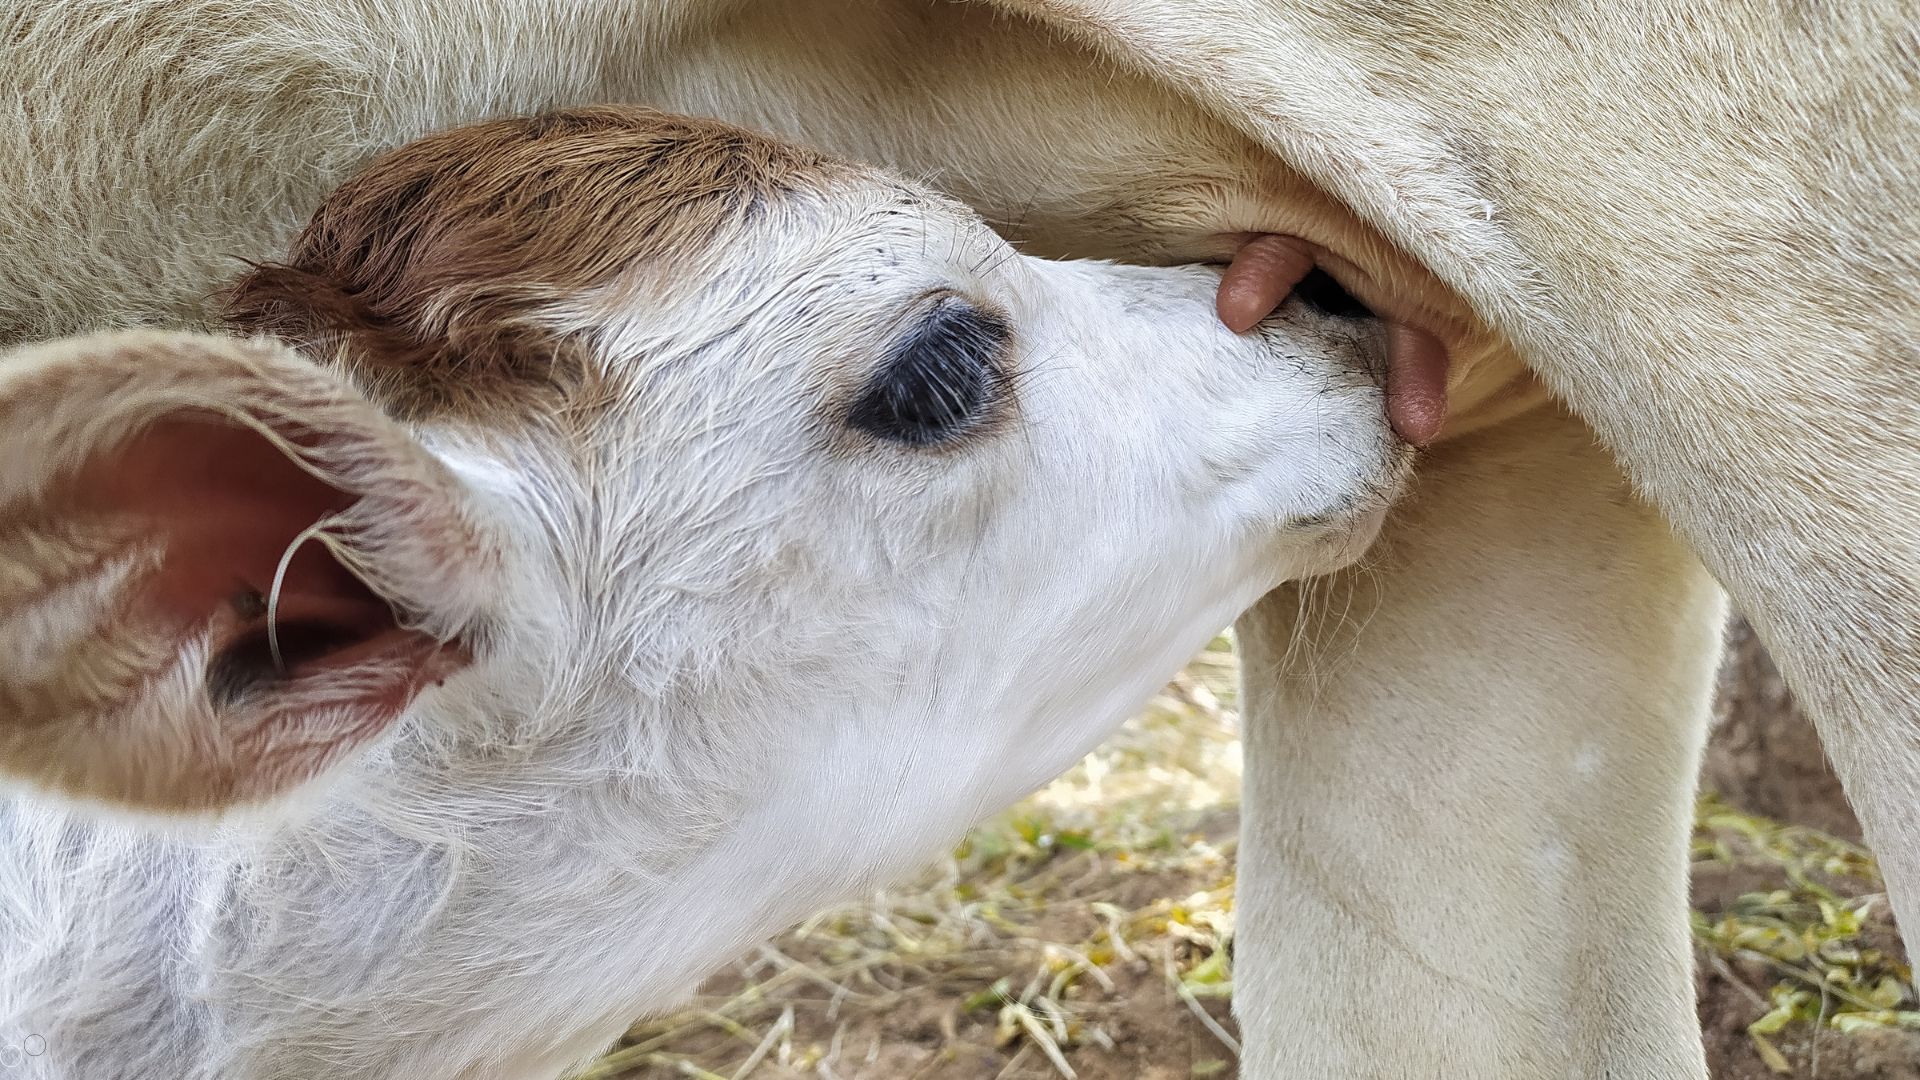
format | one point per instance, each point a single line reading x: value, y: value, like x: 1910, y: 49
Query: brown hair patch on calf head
x: 429, y: 272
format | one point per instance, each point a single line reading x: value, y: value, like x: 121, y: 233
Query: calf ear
x: 154, y: 490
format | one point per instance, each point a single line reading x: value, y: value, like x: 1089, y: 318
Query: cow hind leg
x: 1470, y: 767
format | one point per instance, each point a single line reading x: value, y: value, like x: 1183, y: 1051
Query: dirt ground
x: 1086, y: 934
x: 1765, y: 757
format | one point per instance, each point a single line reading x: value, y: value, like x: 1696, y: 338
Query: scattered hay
x: 1794, y: 925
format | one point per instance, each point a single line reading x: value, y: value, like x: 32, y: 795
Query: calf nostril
x: 1320, y: 292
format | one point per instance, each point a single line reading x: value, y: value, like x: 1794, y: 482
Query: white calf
x: 700, y: 530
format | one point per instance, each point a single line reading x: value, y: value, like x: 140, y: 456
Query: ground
x: 1085, y: 933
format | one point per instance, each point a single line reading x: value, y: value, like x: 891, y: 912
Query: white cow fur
x: 1590, y: 177
x: 736, y: 668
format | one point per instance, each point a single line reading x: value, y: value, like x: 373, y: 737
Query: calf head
x: 649, y: 448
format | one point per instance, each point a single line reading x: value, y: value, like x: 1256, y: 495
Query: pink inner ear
x: 228, y: 504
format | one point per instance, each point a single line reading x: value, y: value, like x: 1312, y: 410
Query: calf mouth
x: 1381, y: 461
x: 1346, y: 531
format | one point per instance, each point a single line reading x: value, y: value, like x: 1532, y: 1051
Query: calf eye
x: 938, y: 382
